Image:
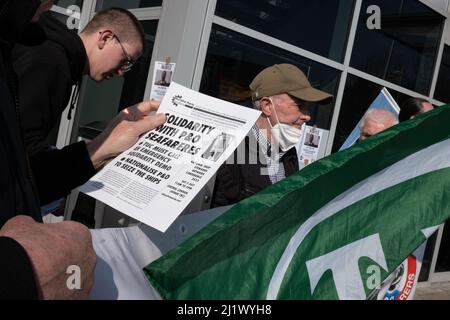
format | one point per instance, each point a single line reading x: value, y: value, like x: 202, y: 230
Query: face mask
x: 284, y: 135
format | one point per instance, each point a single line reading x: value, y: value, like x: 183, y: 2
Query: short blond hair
x: 121, y: 21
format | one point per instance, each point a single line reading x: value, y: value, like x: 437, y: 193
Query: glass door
x: 441, y: 259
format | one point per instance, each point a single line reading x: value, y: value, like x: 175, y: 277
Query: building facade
x: 220, y: 45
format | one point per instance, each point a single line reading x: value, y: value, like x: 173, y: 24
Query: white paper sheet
x: 158, y: 177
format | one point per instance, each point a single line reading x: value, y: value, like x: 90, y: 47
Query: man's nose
x: 305, y: 117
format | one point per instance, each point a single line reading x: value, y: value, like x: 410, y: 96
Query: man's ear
x: 266, y: 106
x: 103, y: 37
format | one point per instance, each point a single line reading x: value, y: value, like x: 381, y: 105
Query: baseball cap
x: 286, y: 78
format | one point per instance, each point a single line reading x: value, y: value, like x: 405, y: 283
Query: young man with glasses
x: 108, y: 46
x: 128, y: 63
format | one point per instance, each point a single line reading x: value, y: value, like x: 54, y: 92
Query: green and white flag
x: 335, y: 230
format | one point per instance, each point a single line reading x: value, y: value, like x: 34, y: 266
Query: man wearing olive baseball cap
x: 282, y: 94
x: 286, y: 78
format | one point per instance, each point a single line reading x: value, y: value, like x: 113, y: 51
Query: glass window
x: 442, y: 92
x: 427, y: 258
x: 102, y: 101
x: 438, y: 4
x: 136, y: 79
x: 443, y: 261
x: 64, y: 19
x: 66, y: 3
x: 127, y: 4
x: 404, y: 50
x: 320, y: 26
x: 358, y: 96
x: 233, y: 60
x: 59, y: 12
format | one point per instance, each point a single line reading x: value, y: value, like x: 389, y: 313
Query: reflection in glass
x: 64, y: 19
x: 135, y: 80
x: 443, y: 261
x: 320, y: 26
x: 358, y: 96
x: 428, y: 258
x: 404, y: 50
x: 233, y: 60
x: 127, y: 4
x: 442, y: 92
x: 67, y: 3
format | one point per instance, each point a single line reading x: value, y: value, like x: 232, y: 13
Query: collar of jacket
x: 58, y: 32
x: 33, y: 35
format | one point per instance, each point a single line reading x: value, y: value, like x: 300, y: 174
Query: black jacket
x: 46, y: 74
x: 17, y: 194
x: 243, y: 177
x: 16, y: 273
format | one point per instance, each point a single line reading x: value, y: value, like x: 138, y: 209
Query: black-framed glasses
x: 128, y: 63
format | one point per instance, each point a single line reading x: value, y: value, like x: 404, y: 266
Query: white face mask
x: 286, y: 136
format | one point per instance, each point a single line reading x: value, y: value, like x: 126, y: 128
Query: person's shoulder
x: 48, y: 52
x: 48, y: 56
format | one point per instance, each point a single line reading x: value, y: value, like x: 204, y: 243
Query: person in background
x: 282, y: 93
x: 412, y: 107
x: 375, y: 121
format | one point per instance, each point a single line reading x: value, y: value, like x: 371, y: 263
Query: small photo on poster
x: 217, y: 147
x: 311, y: 147
x: 163, y: 78
x: 312, y: 139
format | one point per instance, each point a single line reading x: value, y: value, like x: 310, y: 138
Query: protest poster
x: 383, y: 101
x: 158, y: 177
x: 162, y: 77
x: 312, y: 145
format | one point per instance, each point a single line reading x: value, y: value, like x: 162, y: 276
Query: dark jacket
x: 16, y: 273
x: 46, y: 74
x: 17, y: 192
x: 17, y: 195
x: 243, y: 177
